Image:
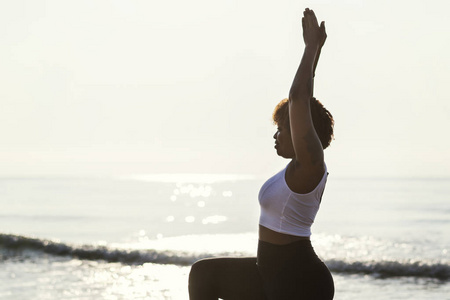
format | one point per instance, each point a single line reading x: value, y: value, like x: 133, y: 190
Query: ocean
x: 135, y: 237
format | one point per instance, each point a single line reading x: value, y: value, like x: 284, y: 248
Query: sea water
x: 135, y: 237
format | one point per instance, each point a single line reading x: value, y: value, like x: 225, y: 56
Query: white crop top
x: 285, y: 211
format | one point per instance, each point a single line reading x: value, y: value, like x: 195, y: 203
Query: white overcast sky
x: 135, y: 87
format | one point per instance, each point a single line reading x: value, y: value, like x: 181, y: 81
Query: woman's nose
x: 275, y: 135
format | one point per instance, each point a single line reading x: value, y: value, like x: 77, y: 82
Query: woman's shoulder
x: 303, y: 180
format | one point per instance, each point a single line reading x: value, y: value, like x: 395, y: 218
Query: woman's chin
x: 279, y: 153
x: 284, y: 155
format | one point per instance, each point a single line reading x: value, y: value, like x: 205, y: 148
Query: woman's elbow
x: 299, y: 96
x: 300, y: 92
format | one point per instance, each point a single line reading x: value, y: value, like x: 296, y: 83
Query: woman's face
x: 283, y: 142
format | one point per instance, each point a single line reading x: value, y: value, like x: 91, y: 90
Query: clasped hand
x: 313, y: 34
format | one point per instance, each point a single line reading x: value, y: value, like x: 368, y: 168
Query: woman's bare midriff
x: 273, y: 237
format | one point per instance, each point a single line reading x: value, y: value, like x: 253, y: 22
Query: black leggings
x: 279, y: 272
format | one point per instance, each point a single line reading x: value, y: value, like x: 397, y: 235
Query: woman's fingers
x: 310, y: 18
x: 313, y: 19
x: 313, y: 33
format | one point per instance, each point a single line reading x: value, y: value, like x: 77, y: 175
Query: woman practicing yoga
x: 286, y: 266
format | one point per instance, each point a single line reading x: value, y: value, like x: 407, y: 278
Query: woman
x: 286, y: 266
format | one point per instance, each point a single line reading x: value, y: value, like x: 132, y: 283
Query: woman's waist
x: 300, y: 251
x: 277, y: 238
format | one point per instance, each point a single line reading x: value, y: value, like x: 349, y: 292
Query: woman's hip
x: 292, y: 271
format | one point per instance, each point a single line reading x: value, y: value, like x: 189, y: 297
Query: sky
x: 123, y: 87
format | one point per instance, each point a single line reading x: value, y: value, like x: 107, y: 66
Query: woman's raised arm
x: 308, y: 148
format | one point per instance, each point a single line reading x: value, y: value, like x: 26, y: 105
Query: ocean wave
x: 386, y: 269
x: 13, y: 245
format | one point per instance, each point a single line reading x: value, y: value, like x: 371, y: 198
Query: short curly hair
x: 322, y: 119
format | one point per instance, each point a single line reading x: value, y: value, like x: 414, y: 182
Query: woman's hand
x: 313, y: 34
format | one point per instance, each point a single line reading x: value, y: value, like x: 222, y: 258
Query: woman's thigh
x: 225, y: 278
